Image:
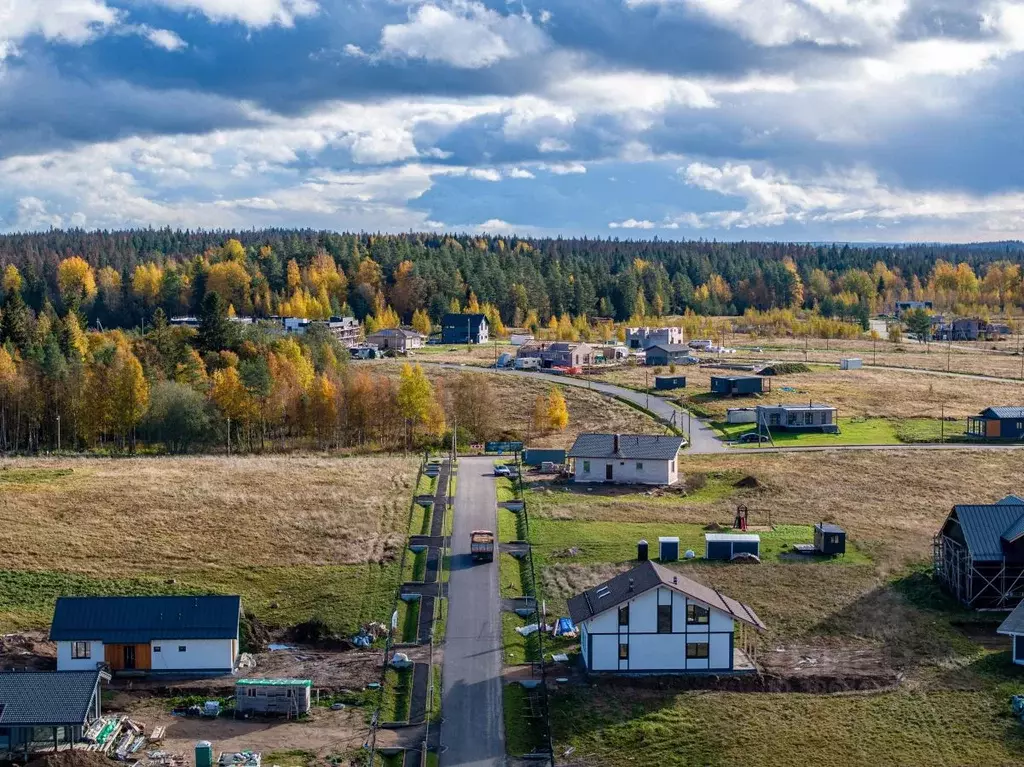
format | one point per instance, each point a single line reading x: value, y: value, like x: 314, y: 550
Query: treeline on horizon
x: 390, y: 278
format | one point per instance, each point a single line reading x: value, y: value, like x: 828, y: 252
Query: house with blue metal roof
x: 979, y: 553
x: 997, y: 423
x: 46, y: 710
x: 162, y: 634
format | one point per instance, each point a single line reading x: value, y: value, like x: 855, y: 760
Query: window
x: 181, y: 648
x: 81, y: 650
x: 623, y: 651
x: 664, y: 619
x: 251, y: 692
x: 696, y: 649
x: 586, y: 466
x: 156, y: 648
x: 809, y: 418
x: 624, y: 616
x: 697, y: 615
x: 773, y: 419
x: 639, y: 466
x: 791, y: 418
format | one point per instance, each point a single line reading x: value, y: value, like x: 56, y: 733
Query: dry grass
x: 865, y: 392
x: 131, y: 516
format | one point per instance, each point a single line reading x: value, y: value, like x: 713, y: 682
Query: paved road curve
x: 473, y: 729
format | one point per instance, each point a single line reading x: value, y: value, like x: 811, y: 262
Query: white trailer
x: 851, y: 363
x: 528, y: 363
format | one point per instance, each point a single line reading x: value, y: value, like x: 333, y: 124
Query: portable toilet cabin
x: 668, y: 548
x: 669, y: 382
x: 851, y: 363
x: 204, y: 754
x: 642, y: 554
x: 829, y: 539
x: 724, y: 546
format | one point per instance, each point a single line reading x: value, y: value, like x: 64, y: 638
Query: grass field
x: 327, y: 546
x: 857, y: 431
x: 875, y: 612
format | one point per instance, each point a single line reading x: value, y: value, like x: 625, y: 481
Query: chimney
x: 675, y: 580
x: 630, y: 584
x: 615, y: 443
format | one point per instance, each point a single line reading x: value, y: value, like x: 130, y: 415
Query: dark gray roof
x: 796, y: 408
x: 670, y: 348
x: 644, y: 577
x: 46, y: 697
x: 736, y: 378
x: 984, y: 525
x: 829, y: 528
x: 1003, y: 413
x: 394, y: 332
x: 141, y: 619
x: 1014, y: 623
x: 631, y: 446
x: 460, y: 320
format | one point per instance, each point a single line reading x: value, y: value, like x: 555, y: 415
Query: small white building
x: 1013, y: 627
x: 395, y: 339
x: 642, y: 459
x: 644, y: 338
x: 521, y: 339
x: 178, y: 634
x: 851, y: 363
x: 653, y: 620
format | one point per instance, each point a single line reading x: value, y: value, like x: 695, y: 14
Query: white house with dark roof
x: 653, y: 620
x: 642, y: 459
x: 1013, y: 627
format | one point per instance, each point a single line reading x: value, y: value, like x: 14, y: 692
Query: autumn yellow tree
x: 417, y: 403
x: 557, y: 411
x: 12, y: 279
x: 231, y: 281
x: 109, y: 285
x: 131, y: 395
x: 323, y: 407
x: 147, y: 282
x: 76, y: 281
x: 421, y: 322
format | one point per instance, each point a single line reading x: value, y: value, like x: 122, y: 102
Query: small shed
x: 287, y: 697
x: 727, y: 545
x: 738, y: 385
x: 741, y: 415
x: 669, y: 382
x: 829, y: 539
x: 534, y: 456
x: 668, y: 548
x: 1013, y: 627
x: 851, y: 363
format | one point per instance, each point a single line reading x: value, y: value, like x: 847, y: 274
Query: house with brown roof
x: 653, y: 620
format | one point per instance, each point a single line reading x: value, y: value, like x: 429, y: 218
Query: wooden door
x: 113, y: 654
x: 143, y: 658
x: 992, y: 428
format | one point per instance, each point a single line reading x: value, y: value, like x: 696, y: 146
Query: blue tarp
x: 564, y: 626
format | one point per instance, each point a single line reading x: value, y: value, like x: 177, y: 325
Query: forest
x: 89, y: 359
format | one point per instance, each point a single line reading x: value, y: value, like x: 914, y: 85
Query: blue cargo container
x: 727, y: 545
x: 535, y: 456
x: 669, y: 382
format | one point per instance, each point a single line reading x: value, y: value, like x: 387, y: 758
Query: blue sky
x: 852, y: 120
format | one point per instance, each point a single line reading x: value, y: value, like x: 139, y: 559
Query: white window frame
x: 81, y: 650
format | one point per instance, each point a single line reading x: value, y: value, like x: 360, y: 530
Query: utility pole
x: 949, y: 349
x: 58, y: 432
x: 647, y: 388
x: 942, y: 422
x: 874, y: 351
x: 229, y: 435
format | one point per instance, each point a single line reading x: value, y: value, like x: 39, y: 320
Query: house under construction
x: 979, y: 554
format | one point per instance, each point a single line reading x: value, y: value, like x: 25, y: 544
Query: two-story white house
x: 642, y: 459
x: 177, y: 634
x: 653, y: 620
x: 643, y: 338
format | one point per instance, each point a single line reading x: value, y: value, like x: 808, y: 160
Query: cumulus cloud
x: 632, y: 223
x: 857, y: 195
x: 465, y: 35
x: 520, y: 173
x: 163, y: 38
x: 252, y: 13
x: 548, y: 144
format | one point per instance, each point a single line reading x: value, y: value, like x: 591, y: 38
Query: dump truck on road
x: 481, y: 545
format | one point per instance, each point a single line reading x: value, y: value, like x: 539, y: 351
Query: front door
x: 608, y: 472
x: 129, y: 656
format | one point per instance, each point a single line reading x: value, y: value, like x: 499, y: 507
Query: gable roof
x: 1014, y: 622
x: 141, y: 619
x: 46, y: 697
x: 1003, y: 413
x: 652, y: 447
x: 646, y: 576
x: 460, y: 320
x: 736, y: 378
x: 984, y: 527
x: 395, y: 332
x: 670, y: 348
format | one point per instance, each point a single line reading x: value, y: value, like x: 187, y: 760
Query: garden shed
x: 669, y: 382
x: 738, y: 385
x: 725, y: 546
x: 829, y: 539
x: 287, y: 697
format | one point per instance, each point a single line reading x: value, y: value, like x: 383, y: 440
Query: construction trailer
x: 851, y: 363
x: 725, y: 546
x: 281, y: 697
x: 669, y: 382
x: 829, y: 539
x: 733, y: 386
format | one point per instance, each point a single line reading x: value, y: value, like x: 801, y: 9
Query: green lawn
x: 902, y: 728
x: 343, y: 596
x: 426, y: 485
x: 510, y: 574
x: 415, y: 566
x: 600, y: 542
x: 420, y: 524
x: 408, y: 620
x: 396, y: 695
x: 435, y: 696
x: 522, y: 733
x: 857, y: 431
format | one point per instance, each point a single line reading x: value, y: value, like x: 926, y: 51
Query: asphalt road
x: 473, y: 728
x: 701, y: 437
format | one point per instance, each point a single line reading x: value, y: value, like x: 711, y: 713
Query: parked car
x: 753, y: 436
x: 502, y: 471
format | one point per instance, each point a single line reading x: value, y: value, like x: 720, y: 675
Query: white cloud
x: 252, y: 13
x: 484, y: 174
x: 164, y: 38
x: 520, y: 173
x: 462, y: 34
x: 563, y: 168
x: 548, y: 144
x: 68, y: 21
x: 544, y: 16
x: 854, y: 195
x: 632, y: 223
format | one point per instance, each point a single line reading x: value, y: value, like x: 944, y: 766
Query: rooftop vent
x: 603, y: 592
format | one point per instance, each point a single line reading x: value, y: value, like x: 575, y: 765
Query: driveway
x: 473, y: 728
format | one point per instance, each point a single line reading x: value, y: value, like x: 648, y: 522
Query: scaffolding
x: 985, y: 584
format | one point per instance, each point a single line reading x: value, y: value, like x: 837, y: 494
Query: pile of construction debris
x: 124, y: 739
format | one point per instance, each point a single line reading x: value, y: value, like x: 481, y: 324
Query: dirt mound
x: 72, y: 759
x: 255, y: 636
x: 28, y: 650
x: 783, y: 368
x: 748, y: 481
x: 714, y: 527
